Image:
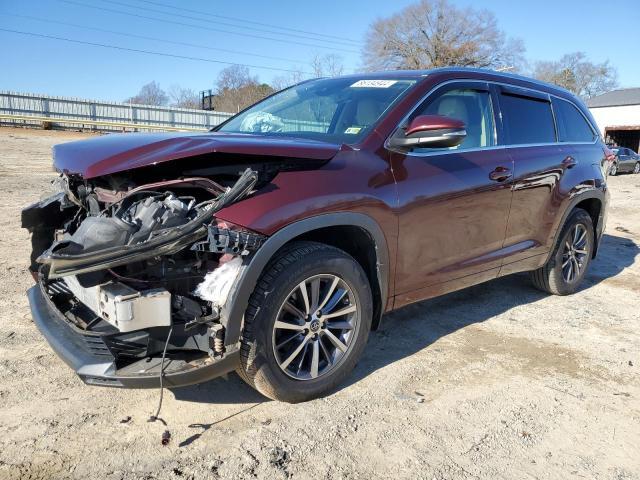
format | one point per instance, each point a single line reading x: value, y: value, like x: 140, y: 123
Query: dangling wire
x: 155, y: 417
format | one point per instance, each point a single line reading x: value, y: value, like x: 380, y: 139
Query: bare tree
x: 184, y: 97
x: 579, y: 75
x: 150, y: 94
x: 235, y: 77
x: 236, y: 89
x: 283, y: 81
x: 329, y: 65
x: 436, y: 33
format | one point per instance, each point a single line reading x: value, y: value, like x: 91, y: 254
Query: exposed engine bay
x: 133, y: 220
x: 124, y: 263
x: 112, y: 228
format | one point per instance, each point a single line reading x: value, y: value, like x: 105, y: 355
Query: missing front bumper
x: 86, y: 354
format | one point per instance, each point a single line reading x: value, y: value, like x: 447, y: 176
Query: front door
x: 453, y: 202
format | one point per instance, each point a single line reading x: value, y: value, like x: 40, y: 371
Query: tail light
x: 609, y: 155
x: 607, y: 161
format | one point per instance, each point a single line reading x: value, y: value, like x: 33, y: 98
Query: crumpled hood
x: 113, y: 153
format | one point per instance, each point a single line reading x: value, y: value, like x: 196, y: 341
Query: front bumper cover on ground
x: 95, y: 365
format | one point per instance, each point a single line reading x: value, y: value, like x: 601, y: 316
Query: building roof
x: 616, y: 98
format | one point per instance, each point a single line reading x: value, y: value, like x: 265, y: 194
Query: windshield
x: 340, y: 110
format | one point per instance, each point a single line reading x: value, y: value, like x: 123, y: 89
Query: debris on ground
x: 278, y: 457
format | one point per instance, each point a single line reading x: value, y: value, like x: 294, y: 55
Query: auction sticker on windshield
x: 373, y: 83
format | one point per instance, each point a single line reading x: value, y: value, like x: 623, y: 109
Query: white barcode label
x: 373, y: 83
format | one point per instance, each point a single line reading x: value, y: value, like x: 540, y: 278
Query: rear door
x: 575, y: 131
x: 540, y: 161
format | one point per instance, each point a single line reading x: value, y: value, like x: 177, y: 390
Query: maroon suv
x: 273, y: 244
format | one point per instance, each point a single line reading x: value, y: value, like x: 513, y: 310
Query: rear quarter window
x: 527, y: 120
x: 572, y: 126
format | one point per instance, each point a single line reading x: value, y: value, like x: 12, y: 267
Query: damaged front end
x: 124, y: 270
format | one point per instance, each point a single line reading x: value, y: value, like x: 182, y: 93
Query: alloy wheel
x: 636, y: 169
x: 613, y: 170
x: 316, y: 326
x: 575, y: 253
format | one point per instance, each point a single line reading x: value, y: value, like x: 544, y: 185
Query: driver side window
x: 473, y: 107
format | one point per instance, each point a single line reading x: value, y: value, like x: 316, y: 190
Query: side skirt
x: 444, y: 288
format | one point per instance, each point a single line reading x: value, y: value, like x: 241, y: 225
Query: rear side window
x: 527, y: 120
x: 572, y: 126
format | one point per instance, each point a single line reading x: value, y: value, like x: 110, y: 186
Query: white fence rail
x: 65, y: 112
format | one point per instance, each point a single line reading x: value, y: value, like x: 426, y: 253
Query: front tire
x: 565, y: 269
x: 613, y: 171
x: 636, y: 168
x: 307, y: 323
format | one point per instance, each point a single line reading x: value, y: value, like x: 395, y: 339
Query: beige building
x: 618, y: 116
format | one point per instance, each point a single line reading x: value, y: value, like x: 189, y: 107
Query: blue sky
x: 30, y: 64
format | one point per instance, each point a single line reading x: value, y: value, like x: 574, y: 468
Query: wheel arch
x: 593, y: 206
x: 325, y: 228
x: 357, y: 242
x: 593, y: 202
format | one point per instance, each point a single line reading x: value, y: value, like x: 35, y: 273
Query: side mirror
x: 431, y: 131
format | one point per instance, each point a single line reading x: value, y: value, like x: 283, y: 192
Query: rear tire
x: 636, y: 168
x: 565, y: 269
x: 613, y: 171
x: 281, y: 320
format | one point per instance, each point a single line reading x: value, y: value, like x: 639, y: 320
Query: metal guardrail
x: 66, y: 112
x: 111, y: 126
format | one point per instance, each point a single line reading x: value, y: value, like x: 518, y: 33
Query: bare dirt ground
x: 496, y: 381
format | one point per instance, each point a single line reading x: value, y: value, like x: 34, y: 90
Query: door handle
x: 569, y: 162
x: 500, y: 174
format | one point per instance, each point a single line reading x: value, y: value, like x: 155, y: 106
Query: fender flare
x: 599, y: 227
x: 232, y: 313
